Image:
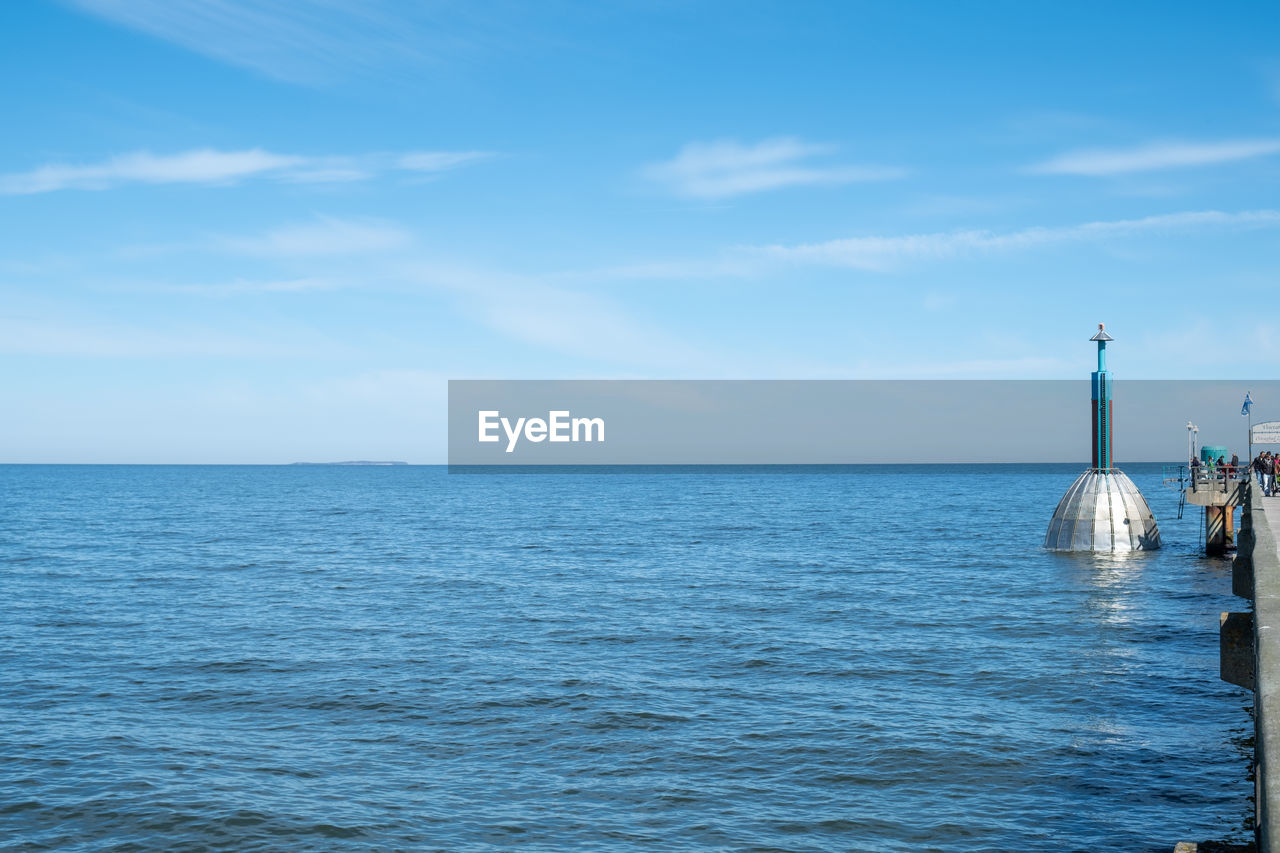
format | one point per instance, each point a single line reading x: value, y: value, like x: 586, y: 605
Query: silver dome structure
x: 1103, y: 509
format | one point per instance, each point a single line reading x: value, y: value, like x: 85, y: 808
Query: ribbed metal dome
x: 1103, y: 511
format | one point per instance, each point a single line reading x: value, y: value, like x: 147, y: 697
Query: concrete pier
x: 1263, y: 563
x: 1250, y: 648
x: 1219, y: 494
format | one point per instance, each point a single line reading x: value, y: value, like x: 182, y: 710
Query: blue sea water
x: 361, y: 659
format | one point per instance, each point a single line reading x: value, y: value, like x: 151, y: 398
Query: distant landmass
x: 355, y: 462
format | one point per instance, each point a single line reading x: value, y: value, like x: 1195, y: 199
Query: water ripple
x: 314, y: 659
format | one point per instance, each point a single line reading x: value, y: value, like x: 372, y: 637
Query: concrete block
x: 1235, y: 649
x: 1242, y: 575
x: 1232, y: 495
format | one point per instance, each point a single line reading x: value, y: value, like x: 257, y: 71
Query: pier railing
x: 1202, y: 478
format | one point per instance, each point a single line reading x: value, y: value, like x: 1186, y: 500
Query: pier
x: 1219, y: 492
x: 1250, y: 648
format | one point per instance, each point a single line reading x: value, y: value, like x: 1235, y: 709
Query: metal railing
x: 1205, y: 477
x: 1220, y: 477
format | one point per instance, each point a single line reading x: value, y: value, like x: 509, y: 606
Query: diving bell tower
x: 1103, y: 509
x: 1101, y: 403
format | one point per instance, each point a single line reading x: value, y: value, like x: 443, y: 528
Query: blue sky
x: 260, y: 232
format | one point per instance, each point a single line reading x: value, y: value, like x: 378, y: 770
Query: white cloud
x: 437, y: 161
x: 576, y: 323
x: 59, y: 336
x: 1032, y: 366
x: 879, y: 253
x: 1158, y: 155
x: 325, y: 236
x: 328, y: 42
x: 885, y: 252
x: 241, y: 286
x: 212, y: 167
x: 203, y: 166
x: 301, y: 41
x: 710, y: 170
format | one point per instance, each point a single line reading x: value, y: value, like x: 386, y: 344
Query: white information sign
x: 1268, y: 433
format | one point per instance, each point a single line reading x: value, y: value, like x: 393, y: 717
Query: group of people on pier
x: 1267, y: 466
x: 1213, y: 467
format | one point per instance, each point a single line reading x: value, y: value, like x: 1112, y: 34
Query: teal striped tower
x: 1103, y: 509
x: 1102, y: 403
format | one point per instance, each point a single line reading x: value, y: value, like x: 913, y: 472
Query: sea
x: 845, y: 658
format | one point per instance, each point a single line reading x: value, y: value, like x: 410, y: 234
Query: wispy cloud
x: 711, y: 170
x: 322, y: 42
x: 1031, y: 366
x: 879, y: 253
x: 204, y: 166
x: 892, y: 251
x: 213, y: 167
x: 326, y: 236
x: 1158, y: 155
x: 288, y: 41
x: 238, y: 287
x: 546, y: 316
x: 62, y: 336
x: 437, y: 161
